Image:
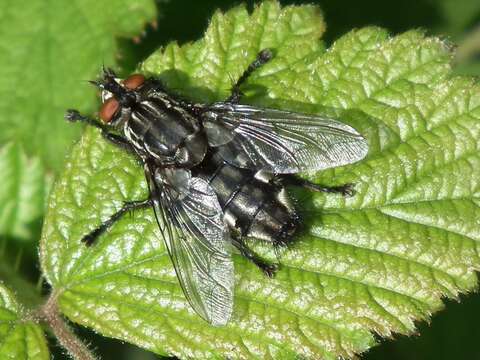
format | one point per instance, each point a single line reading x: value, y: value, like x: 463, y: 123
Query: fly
x: 217, y: 174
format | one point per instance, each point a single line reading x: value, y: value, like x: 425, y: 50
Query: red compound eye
x: 134, y: 81
x: 108, y: 109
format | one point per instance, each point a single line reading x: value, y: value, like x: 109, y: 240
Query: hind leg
x: 345, y: 190
x: 268, y: 268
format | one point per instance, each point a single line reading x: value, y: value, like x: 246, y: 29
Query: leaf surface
x: 374, y: 263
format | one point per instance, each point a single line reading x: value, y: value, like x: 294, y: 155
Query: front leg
x: 120, y: 141
x: 74, y: 116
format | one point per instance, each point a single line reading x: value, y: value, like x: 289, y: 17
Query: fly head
x: 118, y: 96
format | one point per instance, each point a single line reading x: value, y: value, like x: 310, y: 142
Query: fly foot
x: 270, y: 269
x: 347, y: 190
x: 90, y: 238
x: 73, y: 115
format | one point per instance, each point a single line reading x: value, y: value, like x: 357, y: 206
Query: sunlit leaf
x: 374, y: 263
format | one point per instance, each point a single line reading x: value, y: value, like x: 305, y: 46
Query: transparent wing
x: 281, y: 141
x: 198, y: 246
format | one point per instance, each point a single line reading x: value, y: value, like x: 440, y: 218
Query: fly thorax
x: 165, y: 130
x: 120, y: 121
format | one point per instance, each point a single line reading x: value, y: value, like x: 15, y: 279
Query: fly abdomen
x: 253, y: 207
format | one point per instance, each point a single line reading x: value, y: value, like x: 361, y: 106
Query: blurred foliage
x: 22, y: 194
x: 49, y: 51
x: 20, y: 338
x: 452, y: 333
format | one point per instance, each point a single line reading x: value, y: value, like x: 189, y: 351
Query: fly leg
x: 74, y: 115
x: 263, y: 57
x: 345, y: 190
x: 128, y: 206
x: 118, y: 140
x: 268, y: 269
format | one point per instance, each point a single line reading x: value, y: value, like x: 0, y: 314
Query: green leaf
x: 468, y: 54
x: 20, y: 337
x: 457, y: 19
x: 49, y: 50
x: 470, y: 68
x: 22, y: 194
x: 371, y: 264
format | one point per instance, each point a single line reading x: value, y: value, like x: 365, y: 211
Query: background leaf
x: 376, y: 262
x: 22, y: 194
x: 458, y: 18
x: 49, y: 50
x: 19, y: 338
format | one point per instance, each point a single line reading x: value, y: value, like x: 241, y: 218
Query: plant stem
x: 75, y: 347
